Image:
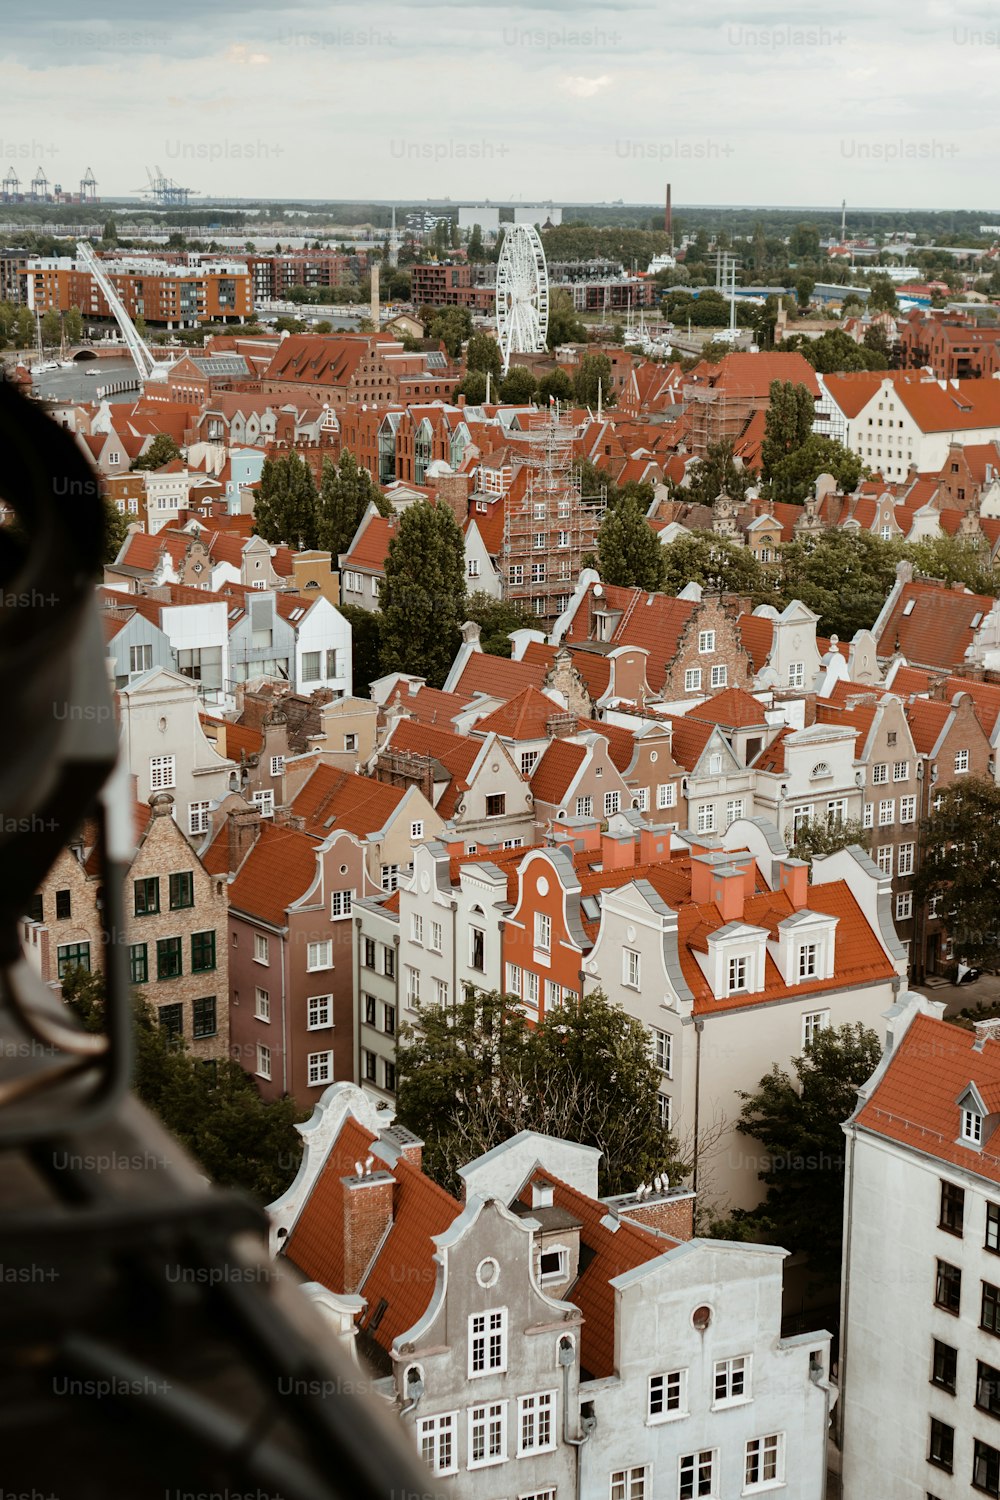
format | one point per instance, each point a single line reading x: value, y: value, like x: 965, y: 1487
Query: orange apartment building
x: 176, y: 296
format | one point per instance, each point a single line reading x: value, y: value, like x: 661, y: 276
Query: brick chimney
x: 368, y: 1205
x: 654, y: 845
x: 793, y: 877
x: 728, y: 892
x: 617, y: 851
x: 243, y: 830
x: 671, y: 1213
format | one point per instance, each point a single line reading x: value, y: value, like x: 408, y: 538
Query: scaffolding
x: 549, y: 524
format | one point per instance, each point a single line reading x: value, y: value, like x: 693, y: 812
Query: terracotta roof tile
x: 757, y: 634
x: 280, y: 867
x: 498, y: 677
x: 316, y: 1243
x: 404, y: 1273
x: 372, y: 546
x: 938, y: 629
x: 556, y: 769
x: 523, y: 717
x: 332, y: 798
x: 733, y: 708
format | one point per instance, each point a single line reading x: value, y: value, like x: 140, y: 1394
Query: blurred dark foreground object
x: 147, y: 1343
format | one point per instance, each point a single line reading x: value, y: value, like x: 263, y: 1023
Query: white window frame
x: 261, y: 1003
x: 487, y: 1343
x: 488, y: 1421
x: 735, y: 1369
x: 905, y: 858
x: 901, y: 770
x: 692, y: 680
x: 515, y: 977
x: 907, y: 809
x: 961, y: 762
x: 416, y: 928
x: 734, y: 809
x: 631, y: 968
x: 162, y: 773
x: 263, y: 1061
x: 887, y: 812
x: 972, y: 1127
x: 341, y: 903
x: 264, y: 802
x: 796, y: 674
x: 737, y: 968
x: 666, y: 795
x: 880, y: 774
x: 323, y: 951
x: 584, y: 807
x: 688, y: 1485
x: 261, y: 953
x: 319, y: 1012
x: 671, y: 1394
x: 883, y: 858
x: 759, y: 1451
x: 416, y: 831
x: 814, y: 1021
x: 277, y: 765
x: 199, y: 817
x: 808, y: 961
x: 630, y: 1484
x: 441, y: 993
x: 532, y: 1410
x: 320, y: 1064
x: 720, y: 675
x: 612, y: 803
x: 436, y: 937
x: 706, y: 818
x: 430, y: 1433
x: 531, y: 989
x: 663, y: 1051
x: 904, y: 906
x: 543, y: 932
x: 412, y: 986
x: 706, y: 642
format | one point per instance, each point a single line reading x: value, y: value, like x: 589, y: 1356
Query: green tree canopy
x: 239, y: 1139
x: 73, y: 325
x: 452, y: 326
x: 793, y: 477
x: 799, y: 1128
x: 476, y: 1074
x: 483, y: 355
x: 835, y: 350
x: 162, y: 450
x: 628, y: 549
x: 715, y: 563
x: 555, y: 384
x: 715, y: 474
x: 346, y: 491
x: 961, y: 868
x: 825, y: 836
x: 423, y: 597
x: 882, y: 294
x: 366, y: 646
x: 790, y: 414
x: 954, y: 560
x: 473, y: 388
x: 877, y: 340
x: 287, y: 504
x: 519, y: 386
x: 591, y: 378
x: 497, y: 619
x: 115, y: 530
x: 843, y: 576
x: 51, y: 327
x: 564, y: 325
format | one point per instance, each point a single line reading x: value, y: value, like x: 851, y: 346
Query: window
x: 901, y: 770
x: 370, y: 1004
x: 612, y: 803
x: 904, y: 859
x: 350, y: 742
x: 162, y: 773
x: 737, y: 976
x: 985, y: 1468
x: 140, y: 658
x: 808, y: 960
x: 368, y: 1065
x: 319, y: 1012
x: 181, y: 890
x: 488, y: 1342
x: 948, y: 1288
x: 584, y: 807
x: 732, y: 1380
x: 487, y: 1434
x: 202, y: 952
x: 904, y: 906
x: 663, y: 1048
x: 389, y: 1075
x: 883, y: 859
x: 886, y: 812
x: 961, y: 762
x: 692, y: 680
x: 553, y: 995
x: 340, y: 903
x: 720, y: 676
x: 203, y: 1017
x: 146, y: 894
x: 796, y: 674
x: 169, y: 958
x: 263, y: 1061
x: 319, y: 1068
x: 640, y: 800
x: 319, y: 955
x: 879, y: 774
x: 706, y: 642
x: 706, y: 818
x: 496, y: 805
x: 310, y: 666
x: 990, y: 1314
x: 666, y: 794
x: 261, y: 1004
x: 436, y: 1436
x: 868, y: 816
x: 907, y: 809
x: 477, y: 949
x: 734, y: 809
x: 664, y: 1110
x: 440, y: 992
x: 628, y: 1484
x: 765, y: 1460
x: 264, y: 802
x: 72, y: 956
x: 944, y: 1368
x: 942, y: 1445
x: 531, y: 990
x: 987, y: 1388
x: 630, y: 968
x: 171, y: 1019
x: 260, y: 949
x: 416, y: 928
x: 667, y: 1395
x: 697, y: 1475
x: 992, y: 1240
x: 536, y: 1423
x: 416, y: 832
x: 435, y: 943
x: 64, y: 905
x: 412, y: 986
x: 972, y: 1127
x: 138, y: 963
x: 514, y: 980
x: 473, y: 567
x: 813, y: 1022
x: 543, y: 932
x: 952, y: 1208
x: 390, y: 877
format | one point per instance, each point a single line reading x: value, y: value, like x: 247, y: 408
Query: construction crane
x: 39, y: 185
x: 141, y: 354
x: 11, y: 184
x: 165, y: 190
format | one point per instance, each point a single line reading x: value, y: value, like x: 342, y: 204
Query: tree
x: 109, y: 234
x: 564, y: 325
x: 366, y: 646
x: 843, y: 576
x: 794, y: 477
x: 954, y: 560
x: 715, y: 474
x: 790, y: 414
x: 115, y: 530
x: 821, y: 836
x: 73, y: 325
x: 591, y: 378
x: 140, y: 325
x: 556, y: 385
x: 882, y: 294
x: 238, y: 1138
x: 715, y: 563
x: 803, y: 242
x: 961, y: 868
x: 287, y: 505
x: 497, y: 620
x: 24, y: 329
x: 475, y: 1074
x: 877, y: 340
x: 473, y: 388
x: 474, y: 249
x: 51, y: 327
x: 451, y: 326
x: 483, y: 355
x: 804, y: 288
x: 519, y: 386
x: 628, y: 549
x: 423, y: 597
x: 799, y: 1128
x: 162, y: 450
x: 835, y: 350
x: 323, y: 326
x: 346, y: 491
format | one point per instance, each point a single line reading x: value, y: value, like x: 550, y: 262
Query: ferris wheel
x: 522, y: 293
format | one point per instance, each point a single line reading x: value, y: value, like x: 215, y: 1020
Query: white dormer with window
x: 734, y: 963
x: 805, y: 949
x: 973, y: 1113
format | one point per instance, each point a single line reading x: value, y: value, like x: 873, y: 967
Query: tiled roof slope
x: 278, y: 870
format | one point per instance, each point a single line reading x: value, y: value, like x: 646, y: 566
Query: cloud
x: 238, y: 53
x: 585, y: 88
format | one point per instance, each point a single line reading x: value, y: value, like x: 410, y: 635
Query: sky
x: 557, y: 100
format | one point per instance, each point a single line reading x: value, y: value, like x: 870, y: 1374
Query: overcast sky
x: 555, y: 100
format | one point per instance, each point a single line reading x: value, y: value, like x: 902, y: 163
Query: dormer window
x: 972, y: 1127
x: 737, y: 976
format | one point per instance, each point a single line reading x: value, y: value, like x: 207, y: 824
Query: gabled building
x: 390, y: 821
x: 166, y: 749
x: 932, y: 625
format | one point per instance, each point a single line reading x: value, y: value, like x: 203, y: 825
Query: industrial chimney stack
x: 668, y: 222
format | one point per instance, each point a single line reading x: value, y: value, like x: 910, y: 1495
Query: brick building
x: 953, y: 348
x: 177, y: 296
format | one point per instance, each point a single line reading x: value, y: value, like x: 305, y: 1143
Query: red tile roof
x: 279, y: 869
x: 772, y: 758
x: 915, y: 1102
x: 757, y: 634
x: 332, y: 798
x: 371, y: 547
x: 431, y: 705
x: 733, y: 708
x: 939, y: 629
x: 497, y: 676
x: 556, y: 769
x: 523, y: 717
x: 621, y: 741
x: 316, y: 1243
x: 926, y: 719
x: 404, y: 1273
x: 654, y: 622
x: 690, y: 736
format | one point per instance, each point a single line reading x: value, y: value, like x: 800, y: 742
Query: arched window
x: 820, y: 770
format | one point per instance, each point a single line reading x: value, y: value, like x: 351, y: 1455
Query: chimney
x: 728, y: 892
x: 793, y: 877
x: 671, y: 1212
x: 654, y: 846
x: 617, y: 851
x: 367, y: 1216
x: 668, y: 220
x: 243, y: 829
x: 747, y: 866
